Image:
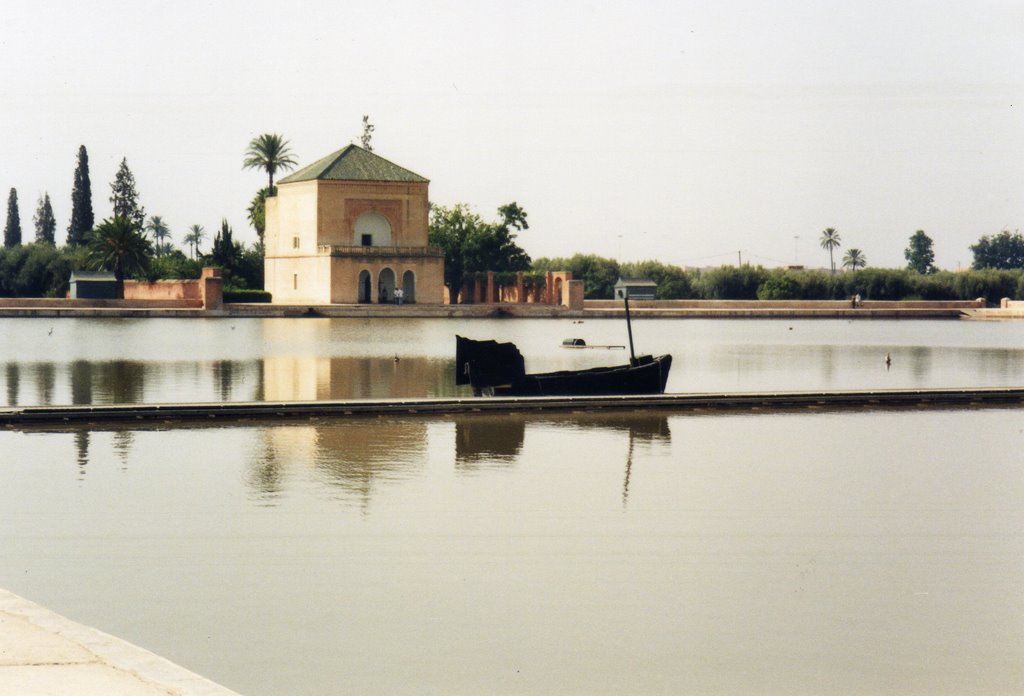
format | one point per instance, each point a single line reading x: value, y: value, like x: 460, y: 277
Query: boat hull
x: 498, y: 369
x: 647, y: 377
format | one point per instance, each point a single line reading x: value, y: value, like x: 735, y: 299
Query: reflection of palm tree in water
x: 224, y: 372
x: 13, y: 383
x: 81, y: 382
x: 82, y: 449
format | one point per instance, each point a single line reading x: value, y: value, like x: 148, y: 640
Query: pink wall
x: 206, y: 292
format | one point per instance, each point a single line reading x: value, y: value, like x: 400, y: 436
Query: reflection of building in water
x: 122, y: 441
x: 309, y: 378
x: 920, y: 361
x: 46, y: 382
x: 81, y: 382
x: 357, y: 454
x: 352, y: 454
x: 121, y: 381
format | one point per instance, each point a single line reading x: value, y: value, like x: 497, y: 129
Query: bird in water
x: 888, y: 360
x: 50, y: 332
x: 396, y: 357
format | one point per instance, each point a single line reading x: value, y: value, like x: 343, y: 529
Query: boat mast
x: 629, y: 328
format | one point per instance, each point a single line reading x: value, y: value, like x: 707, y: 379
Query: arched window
x: 365, y: 287
x: 372, y: 229
x: 386, y: 286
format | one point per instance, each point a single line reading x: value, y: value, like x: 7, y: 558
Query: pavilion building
x: 351, y: 228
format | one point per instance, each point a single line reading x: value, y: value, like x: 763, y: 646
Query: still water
x: 859, y: 552
x: 67, y: 361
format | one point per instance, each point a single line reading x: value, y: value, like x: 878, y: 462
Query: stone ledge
x: 44, y: 652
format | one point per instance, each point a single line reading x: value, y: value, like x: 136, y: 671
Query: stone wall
x: 554, y: 290
x: 784, y: 304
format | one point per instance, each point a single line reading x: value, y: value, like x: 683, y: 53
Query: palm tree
x: 269, y: 152
x: 116, y: 244
x: 160, y: 231
x: 258, y: 212
x: 830, y: 240
x: 195, y: 236
x: 854, y: 259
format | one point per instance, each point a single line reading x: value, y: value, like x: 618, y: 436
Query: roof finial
x: 367, y: 133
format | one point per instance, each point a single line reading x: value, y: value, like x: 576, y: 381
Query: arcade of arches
x: 381, y: 287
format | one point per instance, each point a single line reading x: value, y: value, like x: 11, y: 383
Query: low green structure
x: 93, y: 285
x: 635, y: 288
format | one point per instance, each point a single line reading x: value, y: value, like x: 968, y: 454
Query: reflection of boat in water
x: 498, y: 369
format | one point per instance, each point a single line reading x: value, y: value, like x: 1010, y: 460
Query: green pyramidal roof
x: 352, y: 163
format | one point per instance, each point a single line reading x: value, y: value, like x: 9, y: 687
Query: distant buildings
x: 635, y: 288
x: 92, y: 285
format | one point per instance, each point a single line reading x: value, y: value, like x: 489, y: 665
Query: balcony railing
x: 328, y: 249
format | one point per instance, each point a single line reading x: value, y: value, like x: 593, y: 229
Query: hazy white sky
x: 684, y: 130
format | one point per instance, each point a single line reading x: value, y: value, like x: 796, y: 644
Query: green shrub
x: 731, y: 283
x: 246, y: 295
x: 780, y: 285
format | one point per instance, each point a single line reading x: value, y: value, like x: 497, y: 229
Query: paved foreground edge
x: 42, y: 652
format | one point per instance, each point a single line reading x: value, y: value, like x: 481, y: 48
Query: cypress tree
x: 125, y: 198
x: 12, y: 230
x: 81, y: 202
x: 46, y: 224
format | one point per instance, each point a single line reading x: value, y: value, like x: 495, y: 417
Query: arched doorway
x: 557, y: 299
x: 372, y: 229
x: 409, y: 287
x: 386, y: 286
x: 365, y: 287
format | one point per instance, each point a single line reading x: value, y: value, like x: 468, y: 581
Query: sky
x: 694, y: 132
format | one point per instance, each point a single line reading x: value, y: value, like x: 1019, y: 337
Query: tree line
x: 132, y: 245
x: 473, y: 245
x: 996, y: 272
x: 128, y: 243
x: 748, y: 282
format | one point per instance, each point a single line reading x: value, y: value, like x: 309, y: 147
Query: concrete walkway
x: 43, y: 653
x: 135, y: 415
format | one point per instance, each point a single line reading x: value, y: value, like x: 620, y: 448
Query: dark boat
x: 498, y: 369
